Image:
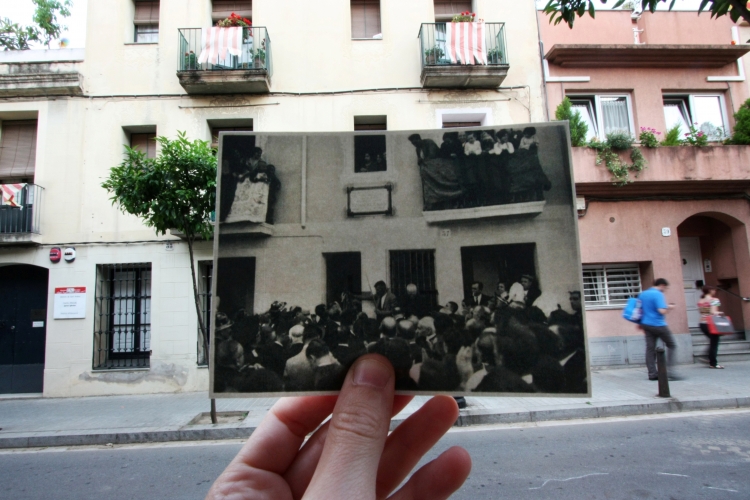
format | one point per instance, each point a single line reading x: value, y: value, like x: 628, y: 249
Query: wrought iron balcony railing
x: 436, y: 50
x: 21, y: 208
x: 255, y: 51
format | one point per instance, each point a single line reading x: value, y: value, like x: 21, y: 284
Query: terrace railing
x: 434, y: 50
x: 21, y: 209
x: 255, y: 52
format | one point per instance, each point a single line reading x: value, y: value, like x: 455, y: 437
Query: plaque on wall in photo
x: 453, y: 254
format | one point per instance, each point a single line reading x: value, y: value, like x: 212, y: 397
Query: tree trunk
x: 201, y: 324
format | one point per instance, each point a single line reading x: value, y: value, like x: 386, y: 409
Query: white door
x: 692, y: 271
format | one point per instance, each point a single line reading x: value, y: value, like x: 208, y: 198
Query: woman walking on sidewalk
x: 708, y: 305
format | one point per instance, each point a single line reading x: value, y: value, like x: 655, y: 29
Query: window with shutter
x: 446, y: 9
x: 18, y: 149
x: 610, y: 285
x: 221, y: 9
x: 146, y: 21
x: 365, y: 18
x: 145, y: 143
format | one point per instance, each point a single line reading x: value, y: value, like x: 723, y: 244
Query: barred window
x: 122, y: 316
x: 610, y: 285
x: 206, y: 270
x: 414, y: 267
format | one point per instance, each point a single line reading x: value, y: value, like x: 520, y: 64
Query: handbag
x: 720, y: 325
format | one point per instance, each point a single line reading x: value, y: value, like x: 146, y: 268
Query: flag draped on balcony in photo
x: 216, y: 42
x: 10, y: 194
x: 465, y: 42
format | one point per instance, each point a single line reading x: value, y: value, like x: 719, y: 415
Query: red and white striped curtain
x: 10, y: 194
x: 465, y: 42
x: 216, y: 42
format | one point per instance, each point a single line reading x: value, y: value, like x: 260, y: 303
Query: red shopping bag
x: 720, y: 325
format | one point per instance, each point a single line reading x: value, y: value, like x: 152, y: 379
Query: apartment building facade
x: 93, y: 302
x: 686, y: 216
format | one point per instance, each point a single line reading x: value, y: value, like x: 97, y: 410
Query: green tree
x: 578, y: 127
x: 568, y: 10
x: 47, y: 28
x: 13, y: 36
x: 741, y: 134
x: 45, y: 17
x: 175, y: 190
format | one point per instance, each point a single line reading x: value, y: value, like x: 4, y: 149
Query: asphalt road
x: 700, y: 456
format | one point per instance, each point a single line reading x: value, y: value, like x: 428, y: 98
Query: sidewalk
x: 42, y: 422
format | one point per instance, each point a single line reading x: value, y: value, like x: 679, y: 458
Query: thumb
x: 349, y: 463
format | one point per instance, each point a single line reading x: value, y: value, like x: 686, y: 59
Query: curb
x: 465, y: 419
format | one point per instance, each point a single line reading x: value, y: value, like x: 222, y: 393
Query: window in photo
x: 369, y: 154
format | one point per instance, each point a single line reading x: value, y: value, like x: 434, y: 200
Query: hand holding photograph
x: 454, y: 254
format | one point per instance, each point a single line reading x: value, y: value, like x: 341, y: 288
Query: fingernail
x: 371, y: 372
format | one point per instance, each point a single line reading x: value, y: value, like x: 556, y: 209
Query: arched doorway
x: 713, y: 248
x: 23, y: 327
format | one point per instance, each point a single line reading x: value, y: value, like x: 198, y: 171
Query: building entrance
x: 23, y: 327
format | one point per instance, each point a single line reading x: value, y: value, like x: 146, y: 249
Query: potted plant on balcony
x: 433, y: 55
x: 260, y: 58
x: 495, y: 56
x: 464, y: 17
x: 190, y: 61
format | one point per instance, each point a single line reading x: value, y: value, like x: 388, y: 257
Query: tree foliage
x: 741, y: 134
x: 47, y: 27
x: 578, y: 127
x: 567, y: 10
x: 175, y: 190
x: 45, y: 17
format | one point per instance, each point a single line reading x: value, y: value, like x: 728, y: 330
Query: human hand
x: 351, y: 455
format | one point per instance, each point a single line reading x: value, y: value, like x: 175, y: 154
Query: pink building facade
x: 686, y: 217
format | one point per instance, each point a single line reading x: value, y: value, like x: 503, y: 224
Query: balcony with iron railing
x: 210, y: 63
x: 472, y: 55
x: 20, y: 213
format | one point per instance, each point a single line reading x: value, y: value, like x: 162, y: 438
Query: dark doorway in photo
x: 343, y: 274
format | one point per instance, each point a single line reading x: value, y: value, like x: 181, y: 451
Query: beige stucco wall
x: 135, y: 85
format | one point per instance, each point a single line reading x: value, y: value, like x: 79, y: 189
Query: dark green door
x: 23, y: 327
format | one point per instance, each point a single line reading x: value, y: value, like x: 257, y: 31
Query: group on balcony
x: 481, y: 168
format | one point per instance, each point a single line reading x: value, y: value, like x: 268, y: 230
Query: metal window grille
x: 605, y: 286
x: 417, y: 267
x: 206, y: 270
x: 122, y: 316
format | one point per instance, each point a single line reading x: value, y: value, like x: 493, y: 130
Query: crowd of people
x: 505, y: 345
x: 480, y: 168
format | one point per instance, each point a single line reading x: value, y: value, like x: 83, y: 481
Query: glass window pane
x: 615, y: 115
x: 707, y: 115
x: 675, y: 113
x: 586, y: 109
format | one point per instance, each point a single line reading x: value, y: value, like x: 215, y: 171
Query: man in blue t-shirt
x: 654, y: 325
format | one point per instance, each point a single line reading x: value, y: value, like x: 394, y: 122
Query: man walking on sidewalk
x: 654, y: 326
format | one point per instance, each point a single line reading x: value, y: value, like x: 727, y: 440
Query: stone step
x: 733, y: 356
x: 724, y: 346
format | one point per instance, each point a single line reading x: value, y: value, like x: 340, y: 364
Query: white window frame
x: 596, y: 100
x: 482, y: 115
x: 604, y: 283
x: 690, y: 98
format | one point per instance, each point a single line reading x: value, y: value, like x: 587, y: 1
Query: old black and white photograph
x: 468, y: 283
